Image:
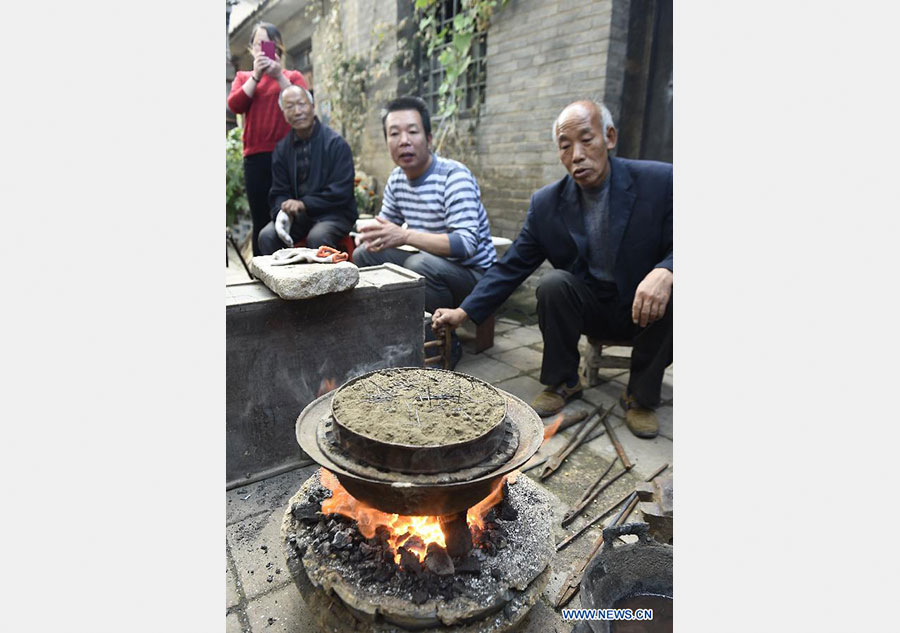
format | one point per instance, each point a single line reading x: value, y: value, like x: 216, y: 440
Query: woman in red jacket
x: 255, y: 94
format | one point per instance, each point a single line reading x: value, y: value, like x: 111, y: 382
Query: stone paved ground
x: 260, y: 596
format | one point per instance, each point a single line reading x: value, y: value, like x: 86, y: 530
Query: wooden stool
x: 595, y: 360
x: 484, y: 335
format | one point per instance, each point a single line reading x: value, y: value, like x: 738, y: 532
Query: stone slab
x: 523, y: 358
x: 255, y: 545
x: 605, y: 395
x: 486, y: 368
x: 233, y: 624
x: 523, y: 387
x: 281, y: 611
x: 647, y: 455
x: 232, y: 597
x: 526, y: 335
x: 502, y: 343
x: 303, y: 281
x: 262, y: 496
x: 666, y: 428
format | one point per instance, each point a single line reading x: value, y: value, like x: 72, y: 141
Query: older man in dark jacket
x: 312, y: 180
x: 607, y: 230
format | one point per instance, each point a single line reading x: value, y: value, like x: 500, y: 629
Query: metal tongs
x: 574, y: 442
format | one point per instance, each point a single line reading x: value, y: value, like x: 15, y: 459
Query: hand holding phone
x: 268, y: 48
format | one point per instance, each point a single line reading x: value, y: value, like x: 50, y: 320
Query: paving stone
x: 606, y: 395
x: 246, y: 540
x: 526, y: 334
x: 486, y: 368
x: 264, y: 495
x: 543, y: 618
x: 232, y: 597
x: 501, y: 326
x: 233, y: 624
x: 664, y: 415
x: 523, y: 358
x: 286, y: 608
x: 647, y: 455
x: 502, y: 343
x: 523, y: 387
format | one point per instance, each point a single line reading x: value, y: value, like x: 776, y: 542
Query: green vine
x: 456, y: 38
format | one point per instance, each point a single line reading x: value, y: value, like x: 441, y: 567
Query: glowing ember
x: 412, y: 532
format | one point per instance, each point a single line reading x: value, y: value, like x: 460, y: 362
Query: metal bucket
x: 616, y: 574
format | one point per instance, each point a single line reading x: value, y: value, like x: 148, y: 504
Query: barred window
x: 431, y: 74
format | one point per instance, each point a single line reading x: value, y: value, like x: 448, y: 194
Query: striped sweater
x: 445, y: 199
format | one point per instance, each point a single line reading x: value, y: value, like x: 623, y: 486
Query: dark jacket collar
x: 621, y: 200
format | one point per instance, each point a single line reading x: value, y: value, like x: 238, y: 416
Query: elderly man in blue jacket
x: 606, y: 228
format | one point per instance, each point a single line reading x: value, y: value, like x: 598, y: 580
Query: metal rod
x: 618, y: 446
x: 587, y: 525
x: 593, y: 436
x: 556, y: 461
x: 570, y: 516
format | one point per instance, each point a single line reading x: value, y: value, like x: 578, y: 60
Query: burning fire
x: 412, y: 532
x: 327, y: 384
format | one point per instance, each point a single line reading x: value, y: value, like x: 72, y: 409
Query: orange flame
x: 402, y: 528
x: 327, y: 384
x: 550, y: 429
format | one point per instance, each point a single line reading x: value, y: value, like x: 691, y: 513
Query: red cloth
x: 264, y: 123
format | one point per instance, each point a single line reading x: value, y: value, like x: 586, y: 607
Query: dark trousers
x: 257, y: 182
x: 568, y: 307
x: 324, y: 232
x: 446, y: 283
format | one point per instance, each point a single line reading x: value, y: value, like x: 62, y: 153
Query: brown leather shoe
x: 641, y: 422
x: 551, y: 400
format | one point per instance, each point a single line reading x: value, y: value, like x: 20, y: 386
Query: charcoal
x: 382, y: 533
x: 491, y: 515
x: 419, y: 596
x: 468, y: 565
x: 496, y: 573
x: 438, y: 561
x: 343, y: 554
x: 342, y: 540
x: 320, y: 529
x: 355, y: 556
x: 367, y: 550
x: 384, y: 573
x: 306, y: 513
x: 458, y: 588
x: 409, y: 561
x: 415, y: 542
x: 507, y: 512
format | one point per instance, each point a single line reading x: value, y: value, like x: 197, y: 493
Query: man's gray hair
x: 605, y: 117
x: 283, y: 90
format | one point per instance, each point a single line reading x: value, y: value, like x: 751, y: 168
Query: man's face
x: 298, y: 111
x: 407, y: 142
x: 583, y: 149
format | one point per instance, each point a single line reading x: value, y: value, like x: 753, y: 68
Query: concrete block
x: 281, y: 611
x: 523, y: 387
x: 255, y: 545
x: 486, y: 368
x: 524, y: 359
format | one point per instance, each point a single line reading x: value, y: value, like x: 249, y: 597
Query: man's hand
x: 378, y: 237
x: 283, y: 228
x: 652, y: 297
x: 445, y: 316
x: 293, y: 207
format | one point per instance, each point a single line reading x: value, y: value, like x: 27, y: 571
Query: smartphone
x: 268, y: 48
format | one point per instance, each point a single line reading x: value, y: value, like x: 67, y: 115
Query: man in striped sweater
x: 432, y: 220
